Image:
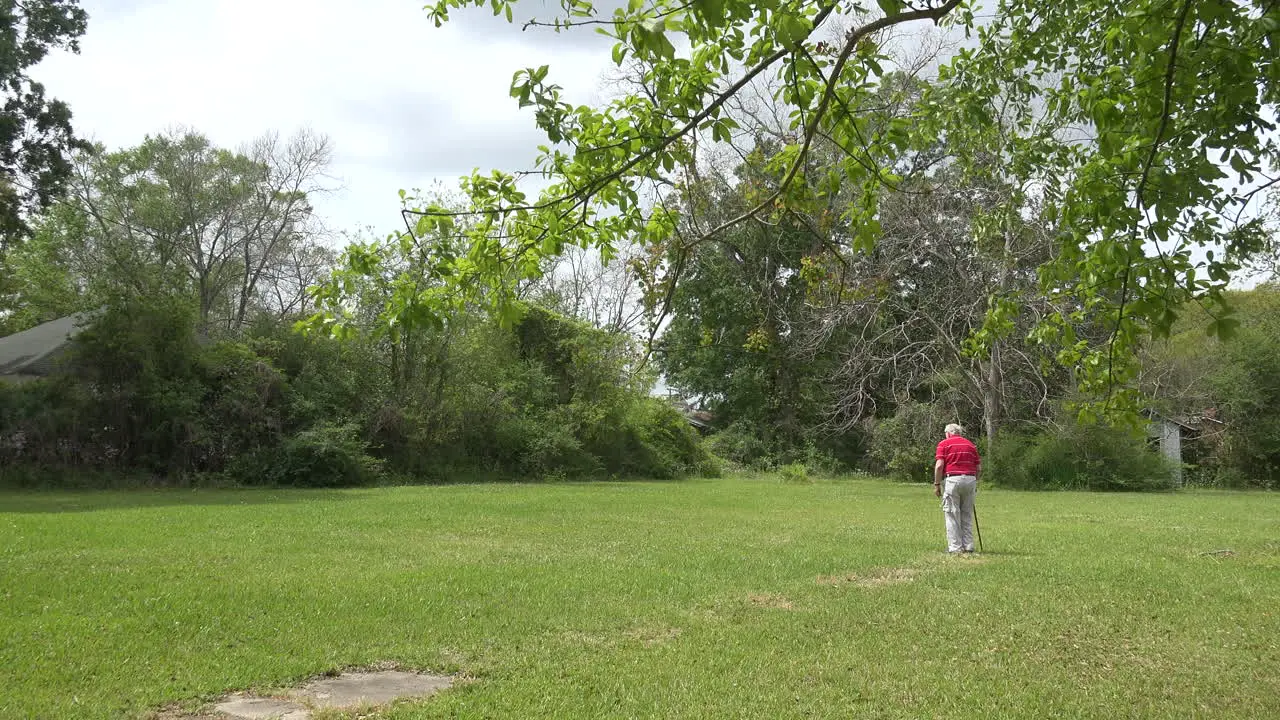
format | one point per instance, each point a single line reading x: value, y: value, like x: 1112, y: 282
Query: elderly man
x: 955, y: 480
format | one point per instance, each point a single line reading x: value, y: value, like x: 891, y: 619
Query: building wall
x: 1171, y: 446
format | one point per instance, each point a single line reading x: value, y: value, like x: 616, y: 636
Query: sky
x: 404, y: 103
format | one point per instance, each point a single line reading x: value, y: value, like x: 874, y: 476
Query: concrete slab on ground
x: 348, y: 691
x: 351, y: 690
x: 256, y: 708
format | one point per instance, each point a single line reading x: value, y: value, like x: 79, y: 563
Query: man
x: 957, y: 465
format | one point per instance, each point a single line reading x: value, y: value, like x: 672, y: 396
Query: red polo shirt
x: 959, y: 456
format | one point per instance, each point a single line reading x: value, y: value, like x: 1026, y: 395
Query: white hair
x: 954, y: 429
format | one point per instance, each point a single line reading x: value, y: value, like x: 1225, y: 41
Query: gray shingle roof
x: 38, y: 350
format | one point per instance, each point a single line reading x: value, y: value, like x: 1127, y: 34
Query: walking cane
x: 976, y: 526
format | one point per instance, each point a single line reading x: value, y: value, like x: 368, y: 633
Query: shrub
x: 330, y: 379
x: 742, y: 445
x: 820, y: 460
x: 327, y: 455
x: 49, y: 422
x: 139, y: 360
x: 244, y: 405
x: 553, y: 398
x: 1078, y: 457
x: 664, y: 444
x: 1246, y: 384
x: 794, y: 473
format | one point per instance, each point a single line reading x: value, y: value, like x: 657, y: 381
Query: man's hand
x: 937, y: 490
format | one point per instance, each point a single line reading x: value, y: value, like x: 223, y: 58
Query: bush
x: 553, y: 398
x: 741, y: 444
x: 1078, y: 457
x: 244, y: 404
x: 129, y: 399
x: 327, y: 455
x: 329, y: 379
x: 139, y: 363
x: 664, y: 446
x: 1246, y: 384
x: 794, y: 473
x: 50, y: 423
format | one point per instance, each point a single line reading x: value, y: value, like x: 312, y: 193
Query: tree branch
x: 852, y: 39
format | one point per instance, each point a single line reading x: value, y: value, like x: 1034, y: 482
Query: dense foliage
x: 542, y: 401
x: 830, y: 245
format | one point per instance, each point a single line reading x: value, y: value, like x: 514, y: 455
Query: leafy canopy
x: 1141, y: 127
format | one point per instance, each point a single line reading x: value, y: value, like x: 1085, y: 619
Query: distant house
x: 38, y: 352
x: 1171, y: 434
x: 700, y: 420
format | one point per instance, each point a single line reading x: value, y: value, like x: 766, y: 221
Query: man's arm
x: 938, y: 467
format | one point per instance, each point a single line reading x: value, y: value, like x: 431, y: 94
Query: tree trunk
x: 993, y: 388
x: 991, y: 401
x: 206, y: 305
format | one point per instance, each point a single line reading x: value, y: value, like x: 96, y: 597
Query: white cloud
x: 404, y: 102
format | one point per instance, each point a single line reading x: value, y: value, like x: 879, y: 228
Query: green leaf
x: 891, y: 7
x: 711, y: 11
x: 1239, y: 165
x: 792, y: 30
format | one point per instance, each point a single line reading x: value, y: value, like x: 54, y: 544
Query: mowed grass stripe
x: 727, y: 598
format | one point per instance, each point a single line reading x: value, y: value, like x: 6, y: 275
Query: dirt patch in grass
x: 1219, y: 554
x: 653, y: 636
x: 968, y: 558
x: 870, y: 578
x: 585, y: 639
x: 770, y: 600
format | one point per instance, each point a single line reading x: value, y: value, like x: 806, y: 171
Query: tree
x: 35, y: 131
x: 176, y: 215
x: 1167, y: 95
x: 1229, y: 388
x: 607, y: 295
x: 736, y: 337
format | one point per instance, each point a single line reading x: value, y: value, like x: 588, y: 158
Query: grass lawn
x: 730, y: 598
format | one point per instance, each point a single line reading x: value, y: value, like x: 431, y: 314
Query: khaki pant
x: 958, y: 492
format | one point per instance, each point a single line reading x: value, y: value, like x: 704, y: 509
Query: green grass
x: 728, y: 598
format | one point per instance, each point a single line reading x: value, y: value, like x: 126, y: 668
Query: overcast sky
x: 404, y: 102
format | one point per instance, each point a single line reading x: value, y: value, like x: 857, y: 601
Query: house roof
x: 37, y: 351
x: 1187, y: 422
x: 699, y: 419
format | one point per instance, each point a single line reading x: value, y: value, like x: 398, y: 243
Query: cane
x: 976, y: 526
